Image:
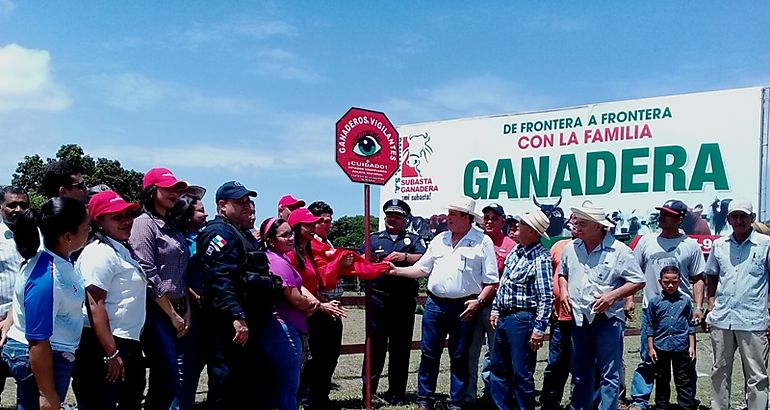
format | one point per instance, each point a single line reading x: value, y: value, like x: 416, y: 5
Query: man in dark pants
x: 237, y: 294
x: 393, y: 301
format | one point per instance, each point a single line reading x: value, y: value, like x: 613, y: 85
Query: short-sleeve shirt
x: 461, y: 270
x: 10, y: 266
x: 557, y: 250
x: 280, y: 266
x: 741, y: 295
x: 163, y: 254
x: 110, y: 267
x: 383, y: 244
x: 653, y: 253
x: 506, y: 246
x: 609, y: 266
x: 48, y: 303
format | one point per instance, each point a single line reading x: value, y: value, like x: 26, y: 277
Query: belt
x: 513, y: 310
x: 460, y: 299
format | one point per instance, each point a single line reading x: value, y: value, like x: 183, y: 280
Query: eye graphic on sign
x: 366, y: 145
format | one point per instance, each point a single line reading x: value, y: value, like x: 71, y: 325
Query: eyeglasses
x: 287, y: 235
x: 81, y: 186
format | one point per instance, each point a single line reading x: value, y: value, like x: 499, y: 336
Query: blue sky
x: 219, y: 90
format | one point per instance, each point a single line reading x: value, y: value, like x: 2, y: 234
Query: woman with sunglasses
x: 109, y: 372
x: 297, y: 303
x: 161, y: 250
x: 47, y: 303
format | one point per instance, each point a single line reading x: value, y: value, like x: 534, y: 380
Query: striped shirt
x: 162, y: 252
x: 10, y: 266
x: 526, y: 283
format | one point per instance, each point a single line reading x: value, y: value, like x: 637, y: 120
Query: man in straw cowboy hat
x: 595, y: 274
x: 737, y: 273
x: 520, y: 315
x: 462, y: 276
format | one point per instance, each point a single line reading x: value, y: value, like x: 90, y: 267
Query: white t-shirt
x: 112, y: 269
x: 653, y: 253
x: 462, y: 270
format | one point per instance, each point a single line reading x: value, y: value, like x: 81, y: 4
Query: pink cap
x: 302, y: 216
x: 109, y: 202
x: 162, y: 178
x: 288, y: 200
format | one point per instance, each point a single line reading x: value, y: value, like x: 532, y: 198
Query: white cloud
x: 284, y: 64
x: 481, y: 95
x: 253, y: 28
x: 26, y: 81
x: 133, y: 91
x: 6, y: 7
x: 233, y: 158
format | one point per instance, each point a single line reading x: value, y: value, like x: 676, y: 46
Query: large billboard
x: 627, y: 156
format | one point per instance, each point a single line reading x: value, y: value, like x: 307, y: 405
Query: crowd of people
x: 120, y: 298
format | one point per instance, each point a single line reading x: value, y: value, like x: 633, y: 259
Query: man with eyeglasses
x: 14, y: 202
x: 64, y: 179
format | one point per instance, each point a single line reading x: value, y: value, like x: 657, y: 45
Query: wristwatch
x: 482, y: 301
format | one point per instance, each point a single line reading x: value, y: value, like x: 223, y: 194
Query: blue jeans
x: 557, y: 371
x: 482, y: 332
x: 512, y: 382
x: 284, y: 344
x: 194, y: 357
x: 644, y: 375
x: 441, y: 317
x: 597, y: 346
x: 165, y: 357
x: 16, y: 356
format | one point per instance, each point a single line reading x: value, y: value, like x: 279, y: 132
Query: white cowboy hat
x: 466, y: 206
x: 590, y: 212
x: 537, y: 221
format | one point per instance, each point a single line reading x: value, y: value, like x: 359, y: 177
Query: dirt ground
x: 347, y: 378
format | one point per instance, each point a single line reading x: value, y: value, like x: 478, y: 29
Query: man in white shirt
x: 462, y: 276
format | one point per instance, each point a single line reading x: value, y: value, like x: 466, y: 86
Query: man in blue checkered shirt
x: 520, y: 315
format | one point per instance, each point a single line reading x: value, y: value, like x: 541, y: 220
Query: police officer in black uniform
x: 238, y: 299
x: 393, y: 301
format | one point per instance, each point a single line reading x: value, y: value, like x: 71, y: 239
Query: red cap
x: 288, y: 200
x: 302, y: 216
x: 109, y: 202
x: 162, y: 178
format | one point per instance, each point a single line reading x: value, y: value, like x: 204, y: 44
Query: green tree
x: 29, y: 173
x: 348, y: 231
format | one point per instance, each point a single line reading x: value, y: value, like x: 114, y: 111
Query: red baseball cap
x: 288, y: 200
x: 302, y: 216
x: 162, y: 178
x: 109, y: 202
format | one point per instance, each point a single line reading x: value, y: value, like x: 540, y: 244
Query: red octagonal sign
x: 366, y: 146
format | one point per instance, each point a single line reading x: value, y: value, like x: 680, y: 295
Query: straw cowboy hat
x: 537, y: 221
x: 590, y: 212
x: 466, y: 206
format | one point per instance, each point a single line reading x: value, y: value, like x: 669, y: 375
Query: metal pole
x: 368, y: 298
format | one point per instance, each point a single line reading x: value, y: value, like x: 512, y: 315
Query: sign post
x: 366, y: 148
